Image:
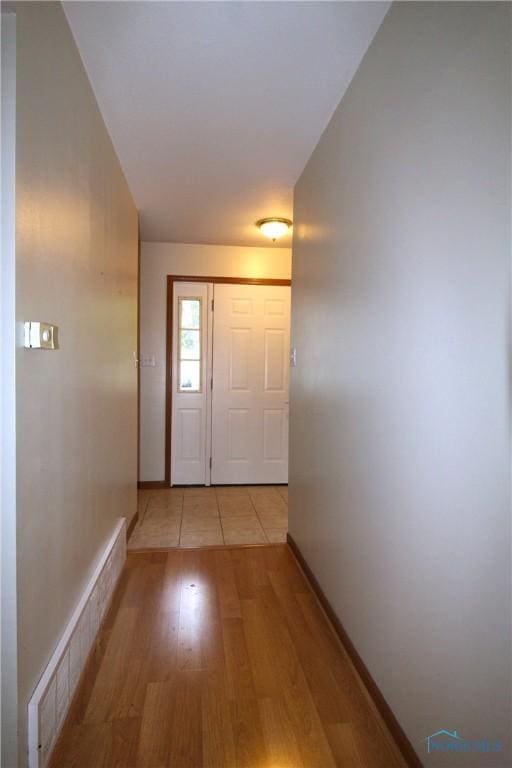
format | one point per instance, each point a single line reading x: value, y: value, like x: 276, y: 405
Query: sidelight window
x: 189, y: 344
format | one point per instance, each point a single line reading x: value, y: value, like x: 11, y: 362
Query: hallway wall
x: 157, y: 261
x: 76, y: 266
x: 399, y: 466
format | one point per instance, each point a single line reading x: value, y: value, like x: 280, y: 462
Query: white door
x: 250, y: 384
x: 191, y: 361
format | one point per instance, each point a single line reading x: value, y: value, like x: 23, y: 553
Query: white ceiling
x: 215, y: 107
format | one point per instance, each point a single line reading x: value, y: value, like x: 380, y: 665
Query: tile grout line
x: 285, y: 503
x: 220, y: 517
x: 145, y: 509
x: 257, y: 515
x: 181, y: 519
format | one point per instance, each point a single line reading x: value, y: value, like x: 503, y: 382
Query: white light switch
x: 293, y: 357
x: 40, y: 335
x: 147, y: 361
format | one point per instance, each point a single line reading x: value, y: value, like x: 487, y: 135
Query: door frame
x: 171, y: 279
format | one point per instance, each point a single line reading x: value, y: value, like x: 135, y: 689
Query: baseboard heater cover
x: 52, y: 697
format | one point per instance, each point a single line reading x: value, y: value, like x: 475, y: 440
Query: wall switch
x: 147, y: 361
x: 40, y: 335
x: 293, y: 357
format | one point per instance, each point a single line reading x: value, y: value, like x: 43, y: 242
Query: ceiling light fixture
x: 274, y: 227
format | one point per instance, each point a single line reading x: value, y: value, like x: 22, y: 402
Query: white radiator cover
x: 52, y: 697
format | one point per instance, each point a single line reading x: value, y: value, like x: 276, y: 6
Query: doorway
x: 228, y: 381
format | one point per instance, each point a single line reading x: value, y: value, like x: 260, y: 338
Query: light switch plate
x: 147, y: 361
x: 41, y: 335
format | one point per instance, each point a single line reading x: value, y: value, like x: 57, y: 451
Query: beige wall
x: 399, y: 468
x: 157, y: 261
x: 8, y: 576
x: 76, y: 266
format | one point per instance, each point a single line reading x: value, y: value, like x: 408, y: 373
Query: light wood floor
x: 200, y: 517
x: 220, y: 658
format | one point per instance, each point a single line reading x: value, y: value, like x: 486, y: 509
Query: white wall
x: 157, y: 261
x: 399, y: 468
x: 76, y: 266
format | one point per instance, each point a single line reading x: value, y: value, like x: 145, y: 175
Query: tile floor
x: 200, y: 517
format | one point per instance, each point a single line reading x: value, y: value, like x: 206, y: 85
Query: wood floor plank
x: 185, y: 736
x: 264, y: 659
x: 171, y: 590
x: 112, y: 673
x: 124, y: 740
x: 131, y: 692
x: 375, y: 750
x: 226, y: 585
x: 220, y: 659
x: 244, y: 577
x: 343, y: 744
x: 247, y: 731
x: 212, y: 643
x: 192, y: 597
x: 257, y: 567
x: 280, y: 739
x: 162, y: 661
x: 162, y: 658
x: 277, y: 670
x: 373, y: 737
x: 219, y: 748
x: 280, y: 560
x: 119, y: 690
x: 331, y: 699
x: 153, y: 746
x: 86, y: 746
x: 132, y: 689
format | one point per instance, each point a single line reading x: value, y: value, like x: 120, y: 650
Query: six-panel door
x: 250, y: 384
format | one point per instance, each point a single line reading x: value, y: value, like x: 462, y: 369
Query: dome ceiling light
x: 274, y: 227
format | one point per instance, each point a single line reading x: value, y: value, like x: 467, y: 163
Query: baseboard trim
x: 132, y: 524
x: 385, y: 711
x: 147, y: 484
x: 50, y: 702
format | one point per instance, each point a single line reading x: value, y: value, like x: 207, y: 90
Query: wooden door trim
x: 171, y: 279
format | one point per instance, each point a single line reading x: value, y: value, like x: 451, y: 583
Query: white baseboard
x: 52, y: 697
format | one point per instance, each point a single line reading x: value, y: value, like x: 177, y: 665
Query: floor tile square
x: 236, y: 506
x: 201, y: 539
x: 232, y: 538
x: 243, y: 530
x: 203, y: 507
x: 276, y: 536
x: 198, y: 492
x: 199, y: 523
x: 273, y: 519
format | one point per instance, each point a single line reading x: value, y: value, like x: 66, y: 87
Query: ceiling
x: 215, y: 107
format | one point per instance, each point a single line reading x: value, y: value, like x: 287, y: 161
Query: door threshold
x: 155, y: 550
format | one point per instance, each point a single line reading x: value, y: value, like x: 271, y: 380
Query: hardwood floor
x: 220, y: 658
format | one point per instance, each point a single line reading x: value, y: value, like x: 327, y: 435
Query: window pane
x: 190, y: 345
x: 190, y: 376
x: 190, y: 313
